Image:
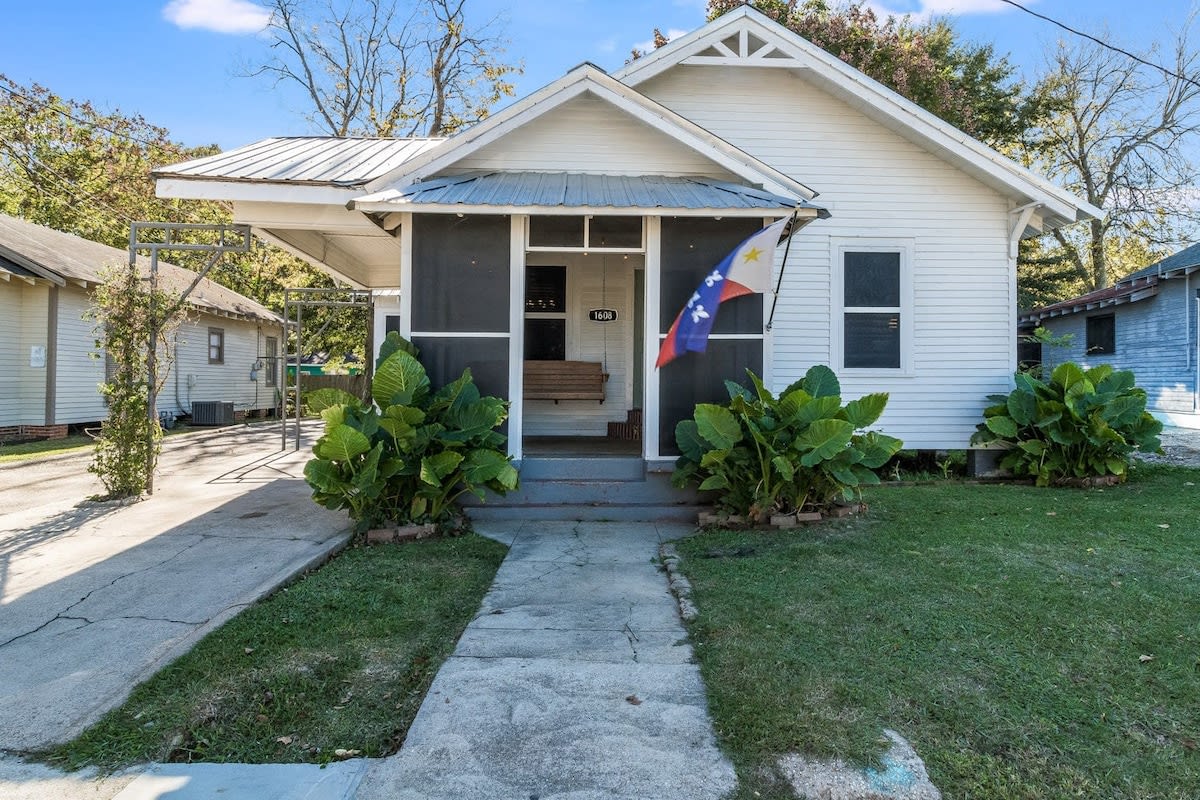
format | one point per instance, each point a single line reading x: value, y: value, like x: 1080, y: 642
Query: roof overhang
x: 583, y: 193
x: 13, y: 264
x: 746, y: 37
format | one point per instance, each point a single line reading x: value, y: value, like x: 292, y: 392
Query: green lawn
x: 45, y: 447
x: 1030, y: 643
x: 340, y: 659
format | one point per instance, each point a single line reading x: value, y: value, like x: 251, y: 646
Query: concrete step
x: 597, y: 513
x: 655, y: 489
x: 583, y: 468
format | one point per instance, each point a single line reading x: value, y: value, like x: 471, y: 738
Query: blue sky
x: 182, y: 74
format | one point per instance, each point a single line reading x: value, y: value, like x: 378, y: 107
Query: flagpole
x: 782, y: 266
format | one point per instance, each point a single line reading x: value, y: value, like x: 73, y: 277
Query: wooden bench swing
x: 564, y: 380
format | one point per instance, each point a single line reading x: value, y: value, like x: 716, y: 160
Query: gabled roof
x: 63, y: 258
x: 588, y: 78
x: 746, y: 37
x: 581, y: 192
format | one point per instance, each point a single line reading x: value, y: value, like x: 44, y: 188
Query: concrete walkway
x: 574, y: 681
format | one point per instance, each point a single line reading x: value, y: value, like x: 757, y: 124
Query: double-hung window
x: 872, y: 302
x: 216, y: 345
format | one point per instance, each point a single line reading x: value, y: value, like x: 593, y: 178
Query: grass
x: 1029, y: 643
x: 44, y: 447
x: 340, y: 659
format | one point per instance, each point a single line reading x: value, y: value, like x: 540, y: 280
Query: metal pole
x: 782, y: 266
x: 151, y: 370
x: 299, y: 356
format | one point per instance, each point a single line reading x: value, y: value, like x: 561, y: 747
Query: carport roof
x: 573, y: 190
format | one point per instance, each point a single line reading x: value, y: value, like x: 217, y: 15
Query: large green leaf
x: 717, y: 426
x: 820, y: 381
x: 1123, y: 410
x: 400, y: 380
x: 484, y: 465
x: 436, y: 467
x: 877, y: 448
x: 321, y: 399
x: 687, y: 439
x: 1022, y: 407
x: 827, y: 407
x: 1117, y: 382
x: 866, y: 410
x: 824, y: 439
x: 1002, y: 426
x: 393, y: 342
x: 1068, y: 374
x: 323, y: 475
x: 341, y: 443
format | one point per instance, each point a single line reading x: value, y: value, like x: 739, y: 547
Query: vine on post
x: 126, y: 312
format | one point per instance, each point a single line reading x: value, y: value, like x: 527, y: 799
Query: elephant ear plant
x: 802, y: 451
x: 407, y: 457
x: 1078, y: 425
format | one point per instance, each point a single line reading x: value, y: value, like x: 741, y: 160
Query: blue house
x: 1148, y: 322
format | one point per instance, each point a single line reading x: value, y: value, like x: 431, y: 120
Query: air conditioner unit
x: 212, y: 412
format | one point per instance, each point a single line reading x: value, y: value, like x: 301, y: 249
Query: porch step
x: 581, y: 468
x: 653, y: 497
x: 596, y: 513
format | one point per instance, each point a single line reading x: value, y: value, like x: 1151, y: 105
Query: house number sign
x: 602, y: 315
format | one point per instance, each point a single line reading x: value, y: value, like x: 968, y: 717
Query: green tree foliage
x: 127, y: 313
x: 73, y: 167
x: 964, y: 83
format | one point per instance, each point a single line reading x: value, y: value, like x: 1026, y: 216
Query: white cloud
x: 221, y: 16
x: 921, y: 10
x: 672, y: 34
x: 607, y: 45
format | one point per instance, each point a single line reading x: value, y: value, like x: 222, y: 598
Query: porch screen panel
x: 460, y: 268
x: 446, y: 358
x: 697, y: 378
x: 690, y: 249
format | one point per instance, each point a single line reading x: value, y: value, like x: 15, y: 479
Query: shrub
x: 411, y: 453
x: 1077, y: 425
x: 800, y: 451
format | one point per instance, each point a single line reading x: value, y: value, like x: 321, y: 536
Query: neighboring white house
x: 49, y: 373
x: 619, y: 193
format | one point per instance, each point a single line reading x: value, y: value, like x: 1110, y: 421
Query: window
x: 1101, y: 334
x: 873, y: 295
x: 271, y: 364
x: 545, y: 313
x: 391, y: 322
x: 216, y: 345
x: 601, y: 232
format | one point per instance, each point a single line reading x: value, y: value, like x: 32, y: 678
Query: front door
x: 579, y: 308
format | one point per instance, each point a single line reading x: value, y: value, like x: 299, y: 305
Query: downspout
x: 1196, y: 388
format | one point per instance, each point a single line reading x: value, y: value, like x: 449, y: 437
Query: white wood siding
x: 192, y: 378
x: 22, y: 325
x: 78, y: 374
x: 877, y: 186
x: 610, y: 343
x: 590, y: 135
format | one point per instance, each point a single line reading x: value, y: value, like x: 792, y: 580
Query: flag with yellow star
x: 746, y: 270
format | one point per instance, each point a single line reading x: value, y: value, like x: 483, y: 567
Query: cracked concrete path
x: 95, y: 598
x: 575, y: 680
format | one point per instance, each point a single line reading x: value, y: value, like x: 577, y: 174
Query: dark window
x: 1102, y: 334
x: 216, y: 346
x: 546, y: 289
x: 271, y: 362
x: 556, y: 231
x: 391, y: 324
x: 871, y: 310
x: 545, y: 339
x: 623, y: 232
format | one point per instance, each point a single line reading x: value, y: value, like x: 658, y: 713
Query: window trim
x: 586, y: 246
x: 220, y: 358
x: 837, y: 331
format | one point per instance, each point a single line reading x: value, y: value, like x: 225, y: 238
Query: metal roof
x: 72, y: 258
x: 323, y: 160
x: 583, y: 190
x: 1187, y: 257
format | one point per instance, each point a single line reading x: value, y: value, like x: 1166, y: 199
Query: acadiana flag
x: 746, y: 270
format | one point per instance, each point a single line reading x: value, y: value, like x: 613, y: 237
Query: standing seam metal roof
x: 575, y: 190
x: 309, y: 159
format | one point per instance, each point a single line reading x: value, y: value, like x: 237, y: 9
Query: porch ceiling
x: 533, y: 192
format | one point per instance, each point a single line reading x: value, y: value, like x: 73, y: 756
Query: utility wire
x: 34, y: 102
x: 1168, y: 72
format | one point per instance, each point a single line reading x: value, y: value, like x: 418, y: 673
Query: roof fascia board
x: 870, y: 94
x: 254, y: 191
x: 570, y: 86
x: 657, y: 211
x: 37, y: 269
x: 331, y: 252
x: 303, y: 216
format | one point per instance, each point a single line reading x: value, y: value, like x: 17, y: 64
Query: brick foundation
x: 33, y: 432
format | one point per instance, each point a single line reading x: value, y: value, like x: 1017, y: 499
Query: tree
x: 375, y: 68
x: 1119, y: 135
x: 965, y: 84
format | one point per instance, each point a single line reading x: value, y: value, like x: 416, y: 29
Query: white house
x: 49, y: 375
x: 573, y: 225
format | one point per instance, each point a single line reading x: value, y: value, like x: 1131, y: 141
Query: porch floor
x: 589, y: 446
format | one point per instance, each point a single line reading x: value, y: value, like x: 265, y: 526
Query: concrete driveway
x: 95, y: 598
